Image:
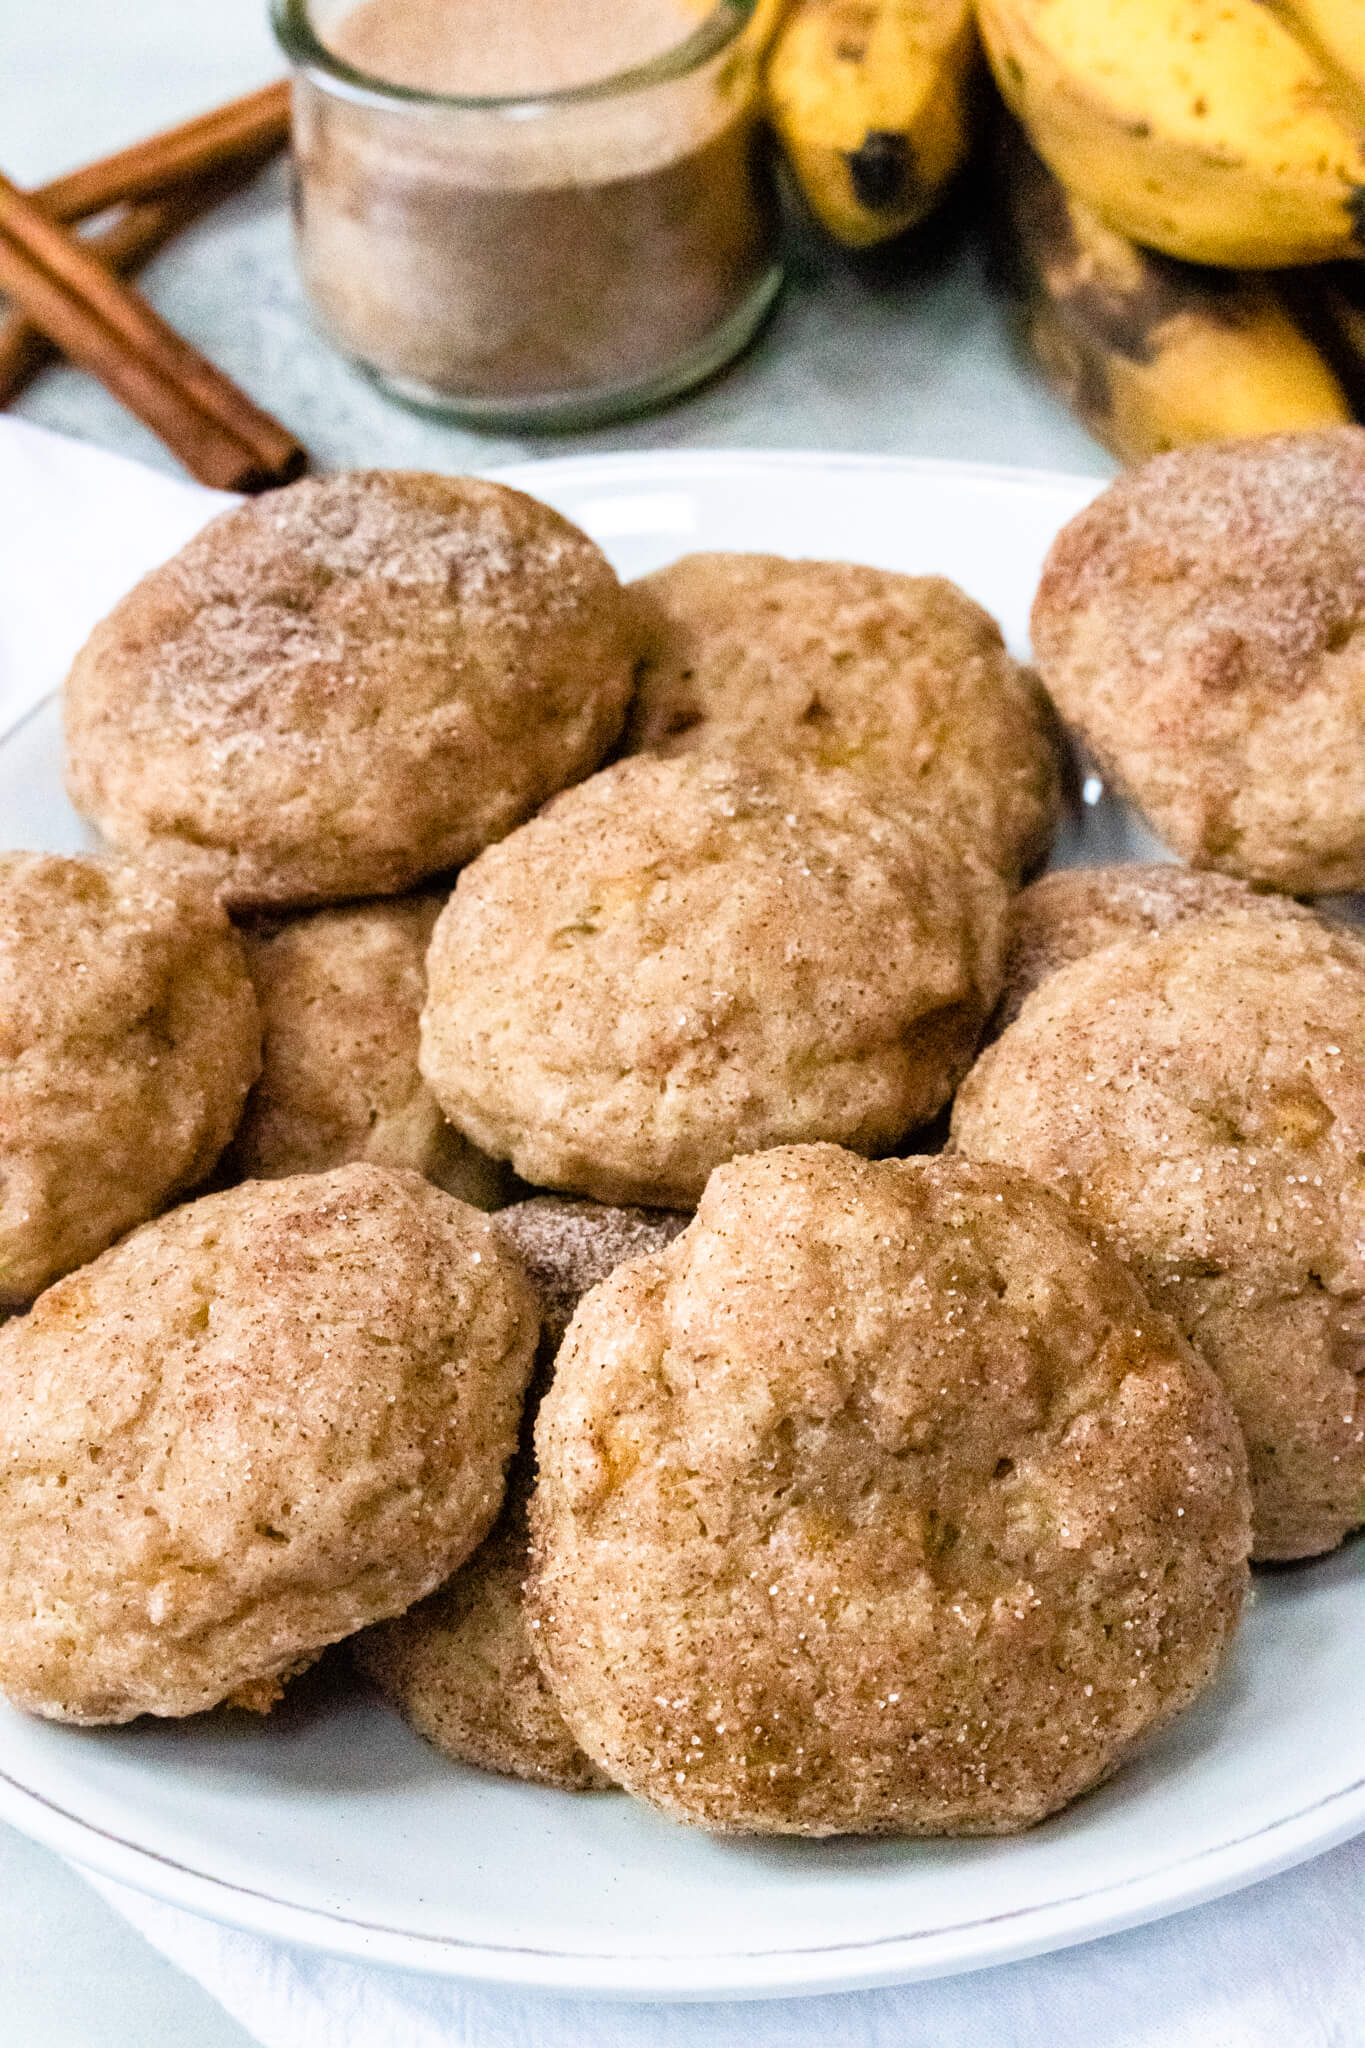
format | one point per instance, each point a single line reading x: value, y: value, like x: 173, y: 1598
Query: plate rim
x: 682, y: 462
x: 883, y: 1962
x: 1122, y: 1903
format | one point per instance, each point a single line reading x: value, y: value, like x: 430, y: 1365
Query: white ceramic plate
x: 337, y: 1828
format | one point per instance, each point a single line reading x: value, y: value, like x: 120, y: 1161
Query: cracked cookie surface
x: 1200, y: 1096
x: 1075, y: 911
x: 254, y: 1426
x: 882, y: 1502
x: 340, y: 993
x: 129, y: 1037
x: 1201, y: 625
x: 682, y: 960
x: 461, y: 1666
x: 901, y: 680
x: 347, y: 685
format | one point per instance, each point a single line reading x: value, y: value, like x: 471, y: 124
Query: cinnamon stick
x: 249, y: 127
x: 217, y: 432
x: 133, y: 237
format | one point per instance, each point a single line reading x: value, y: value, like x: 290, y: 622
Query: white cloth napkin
x: 1279, y: 1966
x: 77, y: 527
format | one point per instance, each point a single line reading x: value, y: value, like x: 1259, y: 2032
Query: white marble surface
x: 917, y: 365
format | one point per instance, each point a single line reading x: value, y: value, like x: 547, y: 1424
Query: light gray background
x: 916, y: 365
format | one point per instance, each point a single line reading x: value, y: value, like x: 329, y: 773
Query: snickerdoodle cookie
x: 1203, y: 625
x: 881, y: 1502
x: 1064, y: 916
x: 340, y: 993
x: 1200, y: 1095
x: 344, y: 686
x: 461, y: 1667
x: 682, y: 960
x: 128, y: 1039
x: 568, y: 1247
x: 254, y: 1426
x: 902, y: 680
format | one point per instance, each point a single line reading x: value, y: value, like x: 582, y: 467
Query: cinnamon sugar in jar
x: 535, y: 212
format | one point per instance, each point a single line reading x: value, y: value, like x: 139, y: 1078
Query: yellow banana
x: 873, y: 101
x: 763, y: 23
x: 1335, y: 29
x: 1203, y: 128
x: 1152, y: 353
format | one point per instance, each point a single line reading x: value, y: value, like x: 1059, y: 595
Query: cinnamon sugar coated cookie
x: 250, y: 1429
x: 1064, y: 916
x: 682, y: 960
x: 461, y: 1667
x: 128, y: 1039
x: 340, y: 994
x: 880, y: 1502
x: 1202, y: 624
x: 344, y: 686
x: 902, y: 680
x: 1200, y: 1096
x: 568, y: 1247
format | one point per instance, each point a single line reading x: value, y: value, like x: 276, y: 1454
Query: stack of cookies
x: 552, y: 1276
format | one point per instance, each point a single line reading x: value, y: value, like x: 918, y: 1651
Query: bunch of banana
x: 1185, y: 146
x: 1150, y: 352
x: 873, y: 103
x: 1226, y: 132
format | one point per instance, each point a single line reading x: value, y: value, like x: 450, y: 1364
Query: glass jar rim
x: 292, y: 23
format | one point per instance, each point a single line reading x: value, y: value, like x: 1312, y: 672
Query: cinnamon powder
x: 542, y: 254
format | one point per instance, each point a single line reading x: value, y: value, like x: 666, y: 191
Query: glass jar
x: 545, y: 260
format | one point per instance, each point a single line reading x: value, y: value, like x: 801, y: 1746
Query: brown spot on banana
x: 1129, y: 322
x: 1148, y: 351
x: 1114, y: 295
x: 882, y: 170
x: 1078, y: 375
